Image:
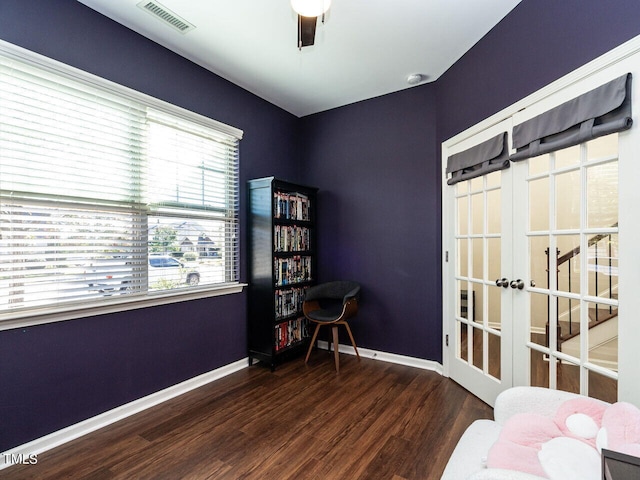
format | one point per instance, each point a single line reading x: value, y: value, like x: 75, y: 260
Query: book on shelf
x: 291, y: 238
x: 291, y: 206
x: 291, y: 332
x: 289, y: 302
x: 294, y: 269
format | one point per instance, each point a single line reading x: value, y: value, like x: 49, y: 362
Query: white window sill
x: 27, y: 318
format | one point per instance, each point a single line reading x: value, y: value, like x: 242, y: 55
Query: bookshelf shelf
x: 282, y: 264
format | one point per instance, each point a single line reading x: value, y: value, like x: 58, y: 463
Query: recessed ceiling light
x: 415, y: 78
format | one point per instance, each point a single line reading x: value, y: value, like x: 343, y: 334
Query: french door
x: 478, y: 264
x: 535, y: 274
x: 541, y: 265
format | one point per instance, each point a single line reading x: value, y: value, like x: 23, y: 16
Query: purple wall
x: 379, y: 221
x: 56, y: 375
x: 537, y: 43
x: 376, y: 162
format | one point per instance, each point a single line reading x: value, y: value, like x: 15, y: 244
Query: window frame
x: 48, y: 314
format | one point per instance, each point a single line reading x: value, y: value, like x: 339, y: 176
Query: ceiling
x: 365, y: 48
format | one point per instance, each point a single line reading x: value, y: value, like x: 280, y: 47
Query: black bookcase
x: 282, y: 265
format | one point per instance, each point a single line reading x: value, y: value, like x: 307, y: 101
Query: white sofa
x: 467, y: 462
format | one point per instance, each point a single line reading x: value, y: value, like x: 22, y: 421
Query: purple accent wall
x: 59, y: 374
x: 379, y: 220
x: 377, y: 164
x: 537, y: 43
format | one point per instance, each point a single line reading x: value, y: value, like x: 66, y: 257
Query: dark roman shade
x: 604, y: 110
x: 479, y: 160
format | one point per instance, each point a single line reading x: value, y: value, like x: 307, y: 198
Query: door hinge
x: 446, y: 256
x: 446, y: 340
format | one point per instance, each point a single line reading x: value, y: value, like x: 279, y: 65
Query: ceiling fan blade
x: 306, y: 30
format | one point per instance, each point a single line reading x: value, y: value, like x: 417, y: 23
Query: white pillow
x: 564, y: 458
x: 582, y: 425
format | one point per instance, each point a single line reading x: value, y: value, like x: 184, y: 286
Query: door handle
x: 519, y: 284
x: 502, y: 282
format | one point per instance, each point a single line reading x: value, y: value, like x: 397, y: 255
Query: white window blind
x: 103, y: 194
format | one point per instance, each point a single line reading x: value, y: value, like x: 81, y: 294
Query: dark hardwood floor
x: 374, y: 420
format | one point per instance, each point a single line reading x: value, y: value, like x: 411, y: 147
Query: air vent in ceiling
x: 167, y: 16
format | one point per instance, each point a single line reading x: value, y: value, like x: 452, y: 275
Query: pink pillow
x: 520, y: 440
x: 621, y: 421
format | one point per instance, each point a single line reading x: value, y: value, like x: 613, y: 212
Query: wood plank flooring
x: 373, y: 420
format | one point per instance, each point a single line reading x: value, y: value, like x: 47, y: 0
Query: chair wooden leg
x: 334, y: 331
x: 313, y: 341
x: 353, y: 342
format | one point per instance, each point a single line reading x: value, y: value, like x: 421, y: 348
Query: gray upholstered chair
x: 331, y: 303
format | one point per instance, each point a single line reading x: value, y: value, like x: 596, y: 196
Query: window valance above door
x: 601, y: 111
x: 481, y: 159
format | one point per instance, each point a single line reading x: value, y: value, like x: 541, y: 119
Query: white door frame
x: 621, y: 60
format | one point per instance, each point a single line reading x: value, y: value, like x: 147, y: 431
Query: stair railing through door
x: 602, y: 263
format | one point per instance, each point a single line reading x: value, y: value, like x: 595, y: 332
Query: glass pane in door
x: 463, y: 215
x: 603, y: 148
x: 462, y: 303
x: 462, y: 341
x: 539, y: 366
x: 568, y: 376
x: 602, y: 265
x: 567, y: 200
x: 538, y: 165
x: 478, y: 347
x: 602, y: 195
x: 603, y: 335
x: 494, y: 301
x: 539, y: 260
x: 568, y: 157
x: 478, y: 257
x: 494, y: 344
x: 539, y: 204
x: 603, y: 387
x: 569, y: 326
x: 494, y: 253
x: 477, y: 299
x: 462, y: 262
x: 538, y: 319
x: 493, y: 213
x: 477, y: 213
x: 568, y: 263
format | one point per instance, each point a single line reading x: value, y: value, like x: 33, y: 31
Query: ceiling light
x: 310, y: 8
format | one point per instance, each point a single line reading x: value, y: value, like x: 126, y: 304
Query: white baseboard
x: 31, y: 449
x: 387, y: 357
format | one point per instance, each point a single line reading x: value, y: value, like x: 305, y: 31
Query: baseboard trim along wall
x: 387, y: 357
x: 55, y: 439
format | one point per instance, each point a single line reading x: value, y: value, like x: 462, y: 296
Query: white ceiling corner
x: 365, y: 48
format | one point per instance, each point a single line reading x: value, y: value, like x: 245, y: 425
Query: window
x: 107, y: 194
